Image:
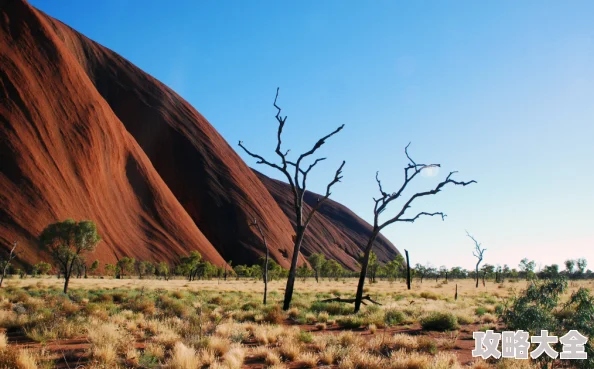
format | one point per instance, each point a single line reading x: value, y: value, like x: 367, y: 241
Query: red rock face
x: 84, y: 134
x: 334, y: 231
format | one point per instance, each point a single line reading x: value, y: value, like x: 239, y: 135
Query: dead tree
x: 296, y: 176
x: 257, y: 225
x: 6, y: 263
x: 478, y: 253
x: 407, y: 270
x: 381, y: 203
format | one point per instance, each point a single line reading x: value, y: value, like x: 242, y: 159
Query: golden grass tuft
x: 3, y: 341
x: 308, y: 360
x: 183, y: 357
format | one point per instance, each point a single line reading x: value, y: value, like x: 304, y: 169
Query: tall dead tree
x: 5, y: 264
x: 478, y: 253
x: 257, y: 226
x: 296, y: 176
x: 381, y: 203
x: 407, y: 270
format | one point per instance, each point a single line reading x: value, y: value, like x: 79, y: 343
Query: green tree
x: 94, y: 266
x: 527, y: 268
x: 569, y: 265
x: 67, y: 241
x: 316, y: 260
x: 256, y: 271
x: 487, y: 271
x: 332, y: 269
x: 207, y: 270
x: 581, y: 265
x: 550, y: 271
x: 145, y: 268
x: 392, y: 269
x: 421, y: 271
x: 163, y: 270
x: 42, y: 268
x: 126, y: 266
x: 190, y: 265
x: 111, y: 269
x: 303, y: 271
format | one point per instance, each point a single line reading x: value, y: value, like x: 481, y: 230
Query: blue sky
x: 501, y: 91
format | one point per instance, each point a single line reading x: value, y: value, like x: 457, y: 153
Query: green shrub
x: 393, y: 317
x: 439, y: 321
x: 251, y: 305
x: 480, y: 311
x: 533, y: 309
x: 350, y: 322
x: 332, y: 308
x: 305, y: 337
x: 499, y: 308
x: 537, y: 308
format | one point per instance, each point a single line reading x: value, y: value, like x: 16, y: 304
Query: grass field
x: 130, y: 323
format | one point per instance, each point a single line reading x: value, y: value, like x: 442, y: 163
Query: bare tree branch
x: 6, y: 263
x: 423, y: 213
x: 382, y: 203
x: 477, y: 253
x: 337, y: 178
x: 297, y: 181
x: 422, y: 194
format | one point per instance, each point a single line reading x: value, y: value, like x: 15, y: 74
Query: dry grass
x: 465, y: 287
x: 205, y: 324
x: 183, y: 357
x: 3, y: 341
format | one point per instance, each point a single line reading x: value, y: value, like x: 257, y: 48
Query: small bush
x: 480, y: 311
x: 248, y: 306
x: 332, y: 308
x: 427, y: 345
x: 323, y: 317
x: 429, y: 295
x: 305, y: 337
x: 394, y: 317
x: 439, y: 321
x: 274, y: 315
x: 350, y: 322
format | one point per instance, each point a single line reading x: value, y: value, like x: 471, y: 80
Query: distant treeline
x: 193, y: 267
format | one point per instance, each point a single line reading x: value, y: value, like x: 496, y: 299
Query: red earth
x: 84, y: 134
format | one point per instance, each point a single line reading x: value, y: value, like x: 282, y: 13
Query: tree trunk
x: 67, y: 275
x: 407, y: 270
x: 446, y: 276
x: 66, y: 281
x: 477, y: 276
x: 266, y: 274
x: 362, y: 276
x: 456, y: 295
x: 4, y: 270
x: 293, y: 271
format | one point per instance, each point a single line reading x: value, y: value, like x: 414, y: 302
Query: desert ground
x: 132, y: 323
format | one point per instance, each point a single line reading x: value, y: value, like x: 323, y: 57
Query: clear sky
x: 502, y: 91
